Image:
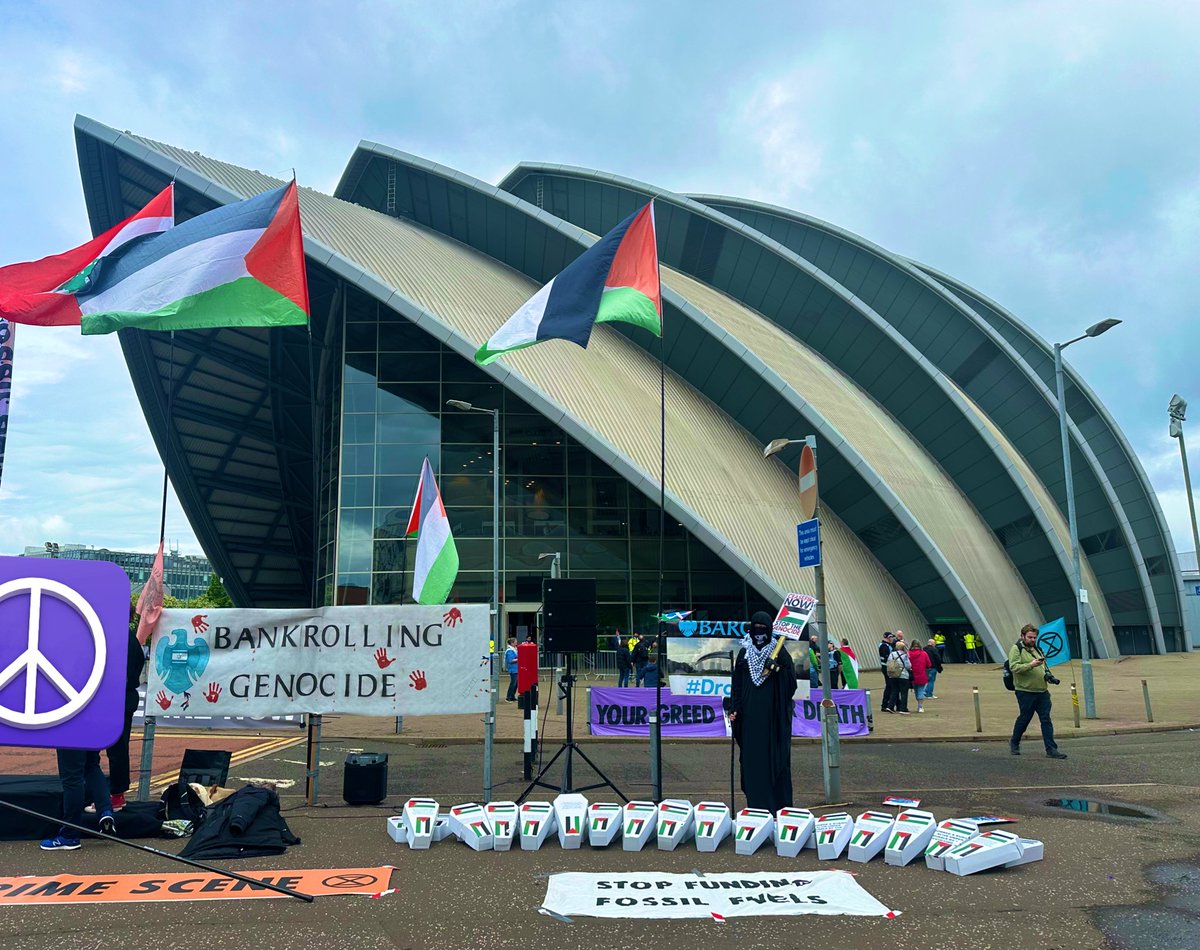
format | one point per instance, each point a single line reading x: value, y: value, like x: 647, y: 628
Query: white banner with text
x: 362, y: 661
x: 733, y: 894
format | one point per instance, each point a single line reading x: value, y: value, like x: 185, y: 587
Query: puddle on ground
x: 1088, y: 806
x: 1172, y: 921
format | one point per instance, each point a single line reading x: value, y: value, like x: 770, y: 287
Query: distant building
x: 186, y: 575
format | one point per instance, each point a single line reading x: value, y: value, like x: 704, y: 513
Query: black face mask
x: 760, y: 636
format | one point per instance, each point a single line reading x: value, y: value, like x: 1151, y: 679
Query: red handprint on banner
x: 199, y: 623
x: 381, y: 658
x: 163, y: 699
x: 213, y: 693
x: 417, y: 679
x: 452, y: 617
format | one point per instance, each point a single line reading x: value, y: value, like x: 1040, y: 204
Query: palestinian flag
x: 241, y: 265
x: 437, y: 557
x: 849, y: 670
x: 616, y: 279
x: 43, y: 292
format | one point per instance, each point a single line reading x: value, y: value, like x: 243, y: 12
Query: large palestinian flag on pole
x: 43, y: 292
x: 616, y: 279
x: 241, y: 265
x: 437, y: 557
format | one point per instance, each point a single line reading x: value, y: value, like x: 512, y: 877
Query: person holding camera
x: 1030, y: 679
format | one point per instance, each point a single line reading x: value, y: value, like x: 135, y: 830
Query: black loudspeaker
x: 569, y: 615
x: 364, y: 781
x: 207, y: 767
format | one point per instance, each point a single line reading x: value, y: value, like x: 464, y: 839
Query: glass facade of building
x: 557, y: 497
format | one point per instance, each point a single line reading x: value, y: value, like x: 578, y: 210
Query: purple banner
x: 6, y: 367
x: 626, y: 712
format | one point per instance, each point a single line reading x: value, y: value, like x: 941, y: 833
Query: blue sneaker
x: 61, y: 843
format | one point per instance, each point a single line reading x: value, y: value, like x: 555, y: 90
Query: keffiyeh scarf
x: 757, y: 658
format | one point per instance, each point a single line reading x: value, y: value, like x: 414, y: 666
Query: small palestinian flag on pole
x: 437, y: 557
x: 43, y: 292
x: 241, y: 265
x: 616, y: 279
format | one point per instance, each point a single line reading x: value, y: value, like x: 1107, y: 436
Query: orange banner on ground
x: 138, y: 888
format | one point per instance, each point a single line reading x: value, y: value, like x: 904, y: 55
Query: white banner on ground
x: 363, y: 661
x: 645, y: 895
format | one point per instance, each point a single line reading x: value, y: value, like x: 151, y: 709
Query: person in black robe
x: 760, y: 708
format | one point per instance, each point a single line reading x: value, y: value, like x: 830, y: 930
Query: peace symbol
x: 350, y: 880
x: 32, y: 661
x: 1051, y: 644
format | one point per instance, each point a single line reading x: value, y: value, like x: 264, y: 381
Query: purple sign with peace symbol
x: 64, y: 634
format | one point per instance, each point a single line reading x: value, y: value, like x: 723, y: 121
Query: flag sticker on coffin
x: 43, y: 292
x: 437, y: 557
x: 614, y: 280
x: 241, y: 265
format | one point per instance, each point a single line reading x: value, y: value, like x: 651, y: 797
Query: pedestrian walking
x: 886, y: 646
x: 624, y: 663
x: 1031, y: 683
x: 918, y: 661
x: 900, y: 673
x: 510, y: 664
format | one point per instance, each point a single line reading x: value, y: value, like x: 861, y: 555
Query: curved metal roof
x: 970, y: 562
x: 805, y: 301
x: 986, y: 367
x: 608, y: 402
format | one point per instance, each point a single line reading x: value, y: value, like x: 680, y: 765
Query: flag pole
x: 655, y: 715
x: 149, y: 722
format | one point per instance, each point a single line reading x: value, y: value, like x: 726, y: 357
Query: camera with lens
x: 1052, y: 679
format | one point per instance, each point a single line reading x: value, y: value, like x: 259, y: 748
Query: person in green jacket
x: 1028, y: 666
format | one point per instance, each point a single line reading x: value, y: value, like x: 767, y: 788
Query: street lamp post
x: 1089, y: 693
x: 490, y: 726
x: 1178, y: 412
x: 831, y: 756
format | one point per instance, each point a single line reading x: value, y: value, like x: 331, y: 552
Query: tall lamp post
x: 1089, y: 693
x: 1178, y: 412
x: 490, y: 728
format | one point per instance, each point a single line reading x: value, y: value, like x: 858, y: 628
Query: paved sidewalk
x: 1173, y: 681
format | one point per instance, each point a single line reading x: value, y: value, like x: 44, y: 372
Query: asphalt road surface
x: 1105, y: 881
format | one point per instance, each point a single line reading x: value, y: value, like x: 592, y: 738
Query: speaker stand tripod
x: 571, y: 748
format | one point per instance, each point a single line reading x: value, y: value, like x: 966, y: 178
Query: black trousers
x: 118, y: 752
x: 902, y: 694
x: 1030, y: 703
x: 82, y: 780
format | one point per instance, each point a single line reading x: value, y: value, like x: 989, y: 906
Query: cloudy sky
x: 1045, y: 152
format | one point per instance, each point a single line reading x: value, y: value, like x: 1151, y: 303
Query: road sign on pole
x: 808, y: 542
x: 808, y: 483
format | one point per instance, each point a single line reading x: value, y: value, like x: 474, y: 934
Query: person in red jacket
x: 920, y: 673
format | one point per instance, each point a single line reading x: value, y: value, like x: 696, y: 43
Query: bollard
x: 147, y: 766
x: 1075, y: 704
x: 1146, y: 697
x: 978, y: 711
x: 870, y: 714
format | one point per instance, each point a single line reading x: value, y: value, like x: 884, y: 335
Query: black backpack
x: 1008, y: 678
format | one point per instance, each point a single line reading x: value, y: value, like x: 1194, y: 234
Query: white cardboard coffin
x: 988, y: 850
x: 793, y: 828
x: 536, y: 821
x: 833, y: 832
x: 639, y: 818
x: 951, y: 832
x: 502, y: 816
x: 1031, y: 851
x: 604, y: 823
x: 713, y: 824
x: 420, y: 814
x: 570, y: 814
x: 676, y: 821
x: 910, y: 836
x: 751, y: 829
x: 398, y: 829
x: 870, y: 836
x: 470, y: 823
